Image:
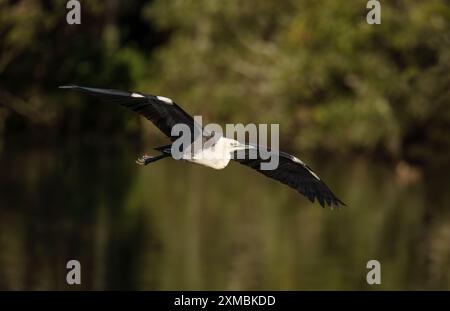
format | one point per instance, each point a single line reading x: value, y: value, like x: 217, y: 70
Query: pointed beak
x: 242, y: 147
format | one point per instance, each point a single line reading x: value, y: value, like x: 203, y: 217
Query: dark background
x: 367, y: 106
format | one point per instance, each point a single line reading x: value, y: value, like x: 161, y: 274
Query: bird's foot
x: 143, y: 160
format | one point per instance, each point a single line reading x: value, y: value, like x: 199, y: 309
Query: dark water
x: 172, y: 225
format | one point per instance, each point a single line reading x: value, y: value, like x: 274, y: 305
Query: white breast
x: 217, y: 164
x: 216, y: 157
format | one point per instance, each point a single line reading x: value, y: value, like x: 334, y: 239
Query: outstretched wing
x: 162, y: 111
x: 296, y: 174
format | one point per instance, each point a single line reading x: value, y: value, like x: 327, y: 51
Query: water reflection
x: 181, y: 226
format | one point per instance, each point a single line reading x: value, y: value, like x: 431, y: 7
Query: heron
x: 164, y: 113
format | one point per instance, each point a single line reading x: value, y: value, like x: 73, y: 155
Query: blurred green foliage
x: 333, y: 82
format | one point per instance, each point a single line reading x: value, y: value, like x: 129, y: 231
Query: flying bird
x: 164, y: 113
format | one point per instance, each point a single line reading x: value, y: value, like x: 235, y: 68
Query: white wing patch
x: 314, y: 174
x: 136, y: 95
x: 295, y: 159
x: 165, y: 99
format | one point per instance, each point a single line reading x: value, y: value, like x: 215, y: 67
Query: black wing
x: 162, y: 111
x: 296, y: 174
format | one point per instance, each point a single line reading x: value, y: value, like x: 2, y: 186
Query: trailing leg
x: 146, y: 159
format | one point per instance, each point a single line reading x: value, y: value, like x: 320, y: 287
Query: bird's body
x: 216, y: 158
x: 216, y: 154
x: 216, y: 151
